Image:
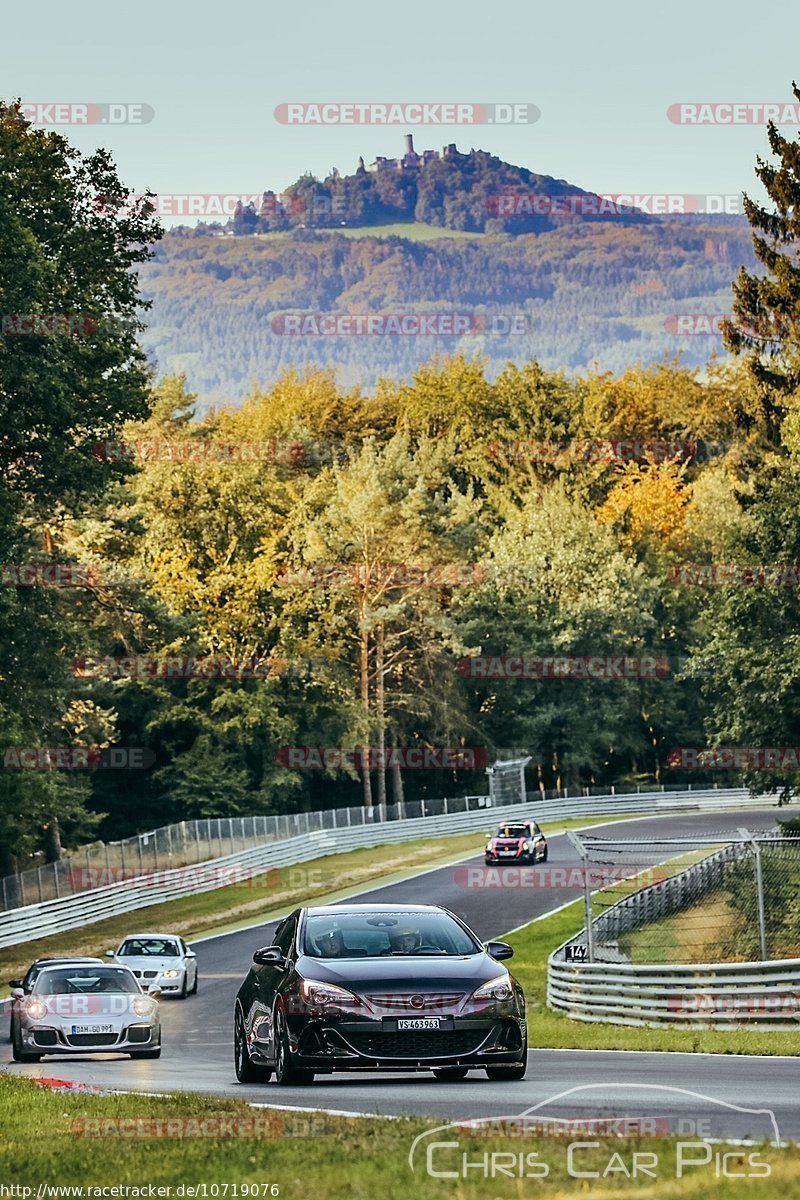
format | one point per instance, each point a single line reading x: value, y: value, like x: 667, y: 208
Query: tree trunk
x: 52, y: 841
x: 381, y: 705
x: 365, y: 752
x: 398, y: 795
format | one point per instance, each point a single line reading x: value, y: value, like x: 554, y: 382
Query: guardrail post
x: 587, y: 893
x: 762, y: 919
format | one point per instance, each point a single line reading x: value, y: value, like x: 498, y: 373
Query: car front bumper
x: 362, y: 1045
x: 50, y: 1039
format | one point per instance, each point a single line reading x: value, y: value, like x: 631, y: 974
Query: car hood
x: 105, y: 1007
x: 149, y: 962
x: 423, y: 974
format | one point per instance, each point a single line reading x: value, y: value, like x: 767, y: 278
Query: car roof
x: 65, y: 958
x: 162, y: 937
x: 374, y: 908
x: 99, y: 962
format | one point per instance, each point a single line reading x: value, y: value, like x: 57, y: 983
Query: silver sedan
x: 82, y: 1009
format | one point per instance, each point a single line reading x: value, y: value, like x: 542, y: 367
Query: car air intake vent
x: 420, y: 1044
x: 415, y: 1002
x: 139, y: 1033
x: 45, y: 1037
x: 92, y: 1039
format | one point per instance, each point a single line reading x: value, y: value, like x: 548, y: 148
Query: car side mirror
x: 110, y: 953
x: 15, y: 983
x: 154, y: 991
x: 269, y: 956
x: 18, y: 993
x: 499, y: 950
x: 190, y: 954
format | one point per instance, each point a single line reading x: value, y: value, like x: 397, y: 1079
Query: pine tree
x: 767, y: 307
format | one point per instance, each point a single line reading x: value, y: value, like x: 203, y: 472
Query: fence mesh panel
x: 734, y: 899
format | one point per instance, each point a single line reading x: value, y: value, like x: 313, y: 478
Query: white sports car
x: 160, y: 958
x: 78, y: 1008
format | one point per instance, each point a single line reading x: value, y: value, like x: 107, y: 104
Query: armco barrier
x: 715, y: 995
x: 71, y: 912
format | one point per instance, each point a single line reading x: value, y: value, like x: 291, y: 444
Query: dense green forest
x: 582, y: 295
x: 344, y: 551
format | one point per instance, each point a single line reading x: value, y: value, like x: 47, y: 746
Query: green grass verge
x: 549, y: 1029
x: 44, y: 1143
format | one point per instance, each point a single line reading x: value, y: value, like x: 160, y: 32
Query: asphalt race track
x: 197, y: 1032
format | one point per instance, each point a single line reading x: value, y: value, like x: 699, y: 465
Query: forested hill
x: 587, y: 292
x: 475, y: 192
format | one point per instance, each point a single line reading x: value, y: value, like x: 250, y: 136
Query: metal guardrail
x: 71, y: 912
x: 762, y: 994
x: 200, y: 839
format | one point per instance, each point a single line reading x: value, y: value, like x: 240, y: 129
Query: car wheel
x: 286, y: 1072
x: 146, y: 1053
x: 446, y: 1074
x: 193, y: 991
x: 184, y: 992
x: 544, y: 856
x: 510, y: 1070
x: 246, y: 1070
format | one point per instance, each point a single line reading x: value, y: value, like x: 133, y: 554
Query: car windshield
x: 59, y: 981
x: 154, y: 947
x: 514, y: 831
x: 379, y: 934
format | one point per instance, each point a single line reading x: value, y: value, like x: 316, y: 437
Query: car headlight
x: 498, y: 988
x: 527, y: 845
x: 35, y: 1008
x: 143, y: 1006
x: 327, y: 995
x: 171, y: 973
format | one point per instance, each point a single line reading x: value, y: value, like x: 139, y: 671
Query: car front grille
x: 417, y: 1043
x: 402, y: 1000
x: 92, y: 1039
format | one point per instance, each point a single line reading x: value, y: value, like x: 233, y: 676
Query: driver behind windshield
x: 404, y: 941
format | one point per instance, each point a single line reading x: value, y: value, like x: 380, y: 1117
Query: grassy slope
x: 360, y: 1159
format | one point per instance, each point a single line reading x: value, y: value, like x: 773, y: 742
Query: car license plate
x: 92, y: 1029
x: 419, y: 1023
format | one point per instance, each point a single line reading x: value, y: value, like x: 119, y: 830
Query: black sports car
x: 390, y: 987
x: 515, y: 842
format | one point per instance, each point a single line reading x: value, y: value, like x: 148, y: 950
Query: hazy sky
x: 603, y: 76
